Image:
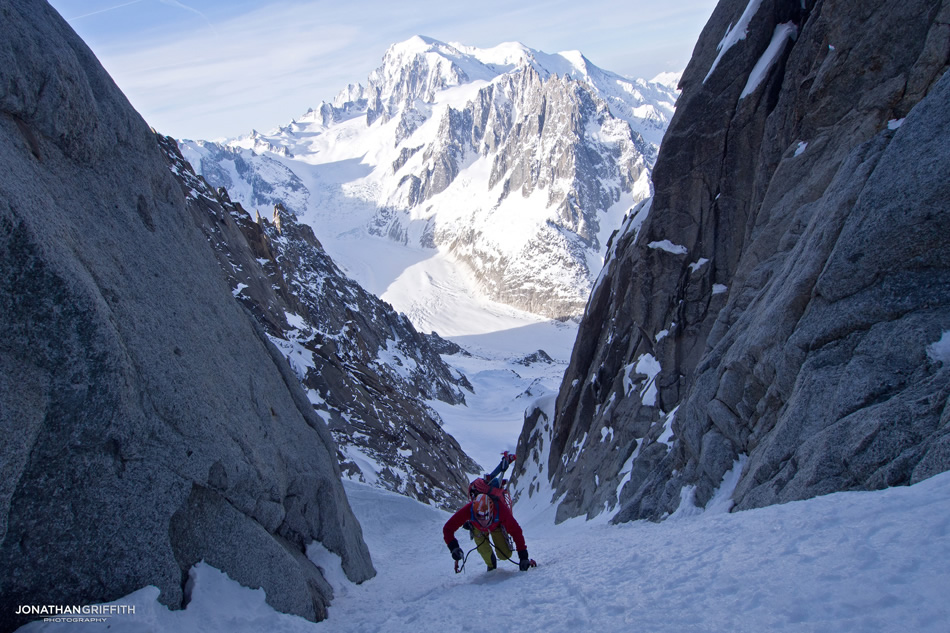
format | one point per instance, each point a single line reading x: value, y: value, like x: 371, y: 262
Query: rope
x: 460, y: 568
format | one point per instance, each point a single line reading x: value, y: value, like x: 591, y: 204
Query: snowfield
x: 855, y: 561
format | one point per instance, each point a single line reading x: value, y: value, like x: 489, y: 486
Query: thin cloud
x: 118, y: 6
x: 265, y: 65
x: 183, y: 6
x: 269, y: 65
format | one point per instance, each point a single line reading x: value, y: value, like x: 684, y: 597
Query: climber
x: 486, y: 516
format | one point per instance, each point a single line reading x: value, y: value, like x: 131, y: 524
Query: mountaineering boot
x: 494, y: 563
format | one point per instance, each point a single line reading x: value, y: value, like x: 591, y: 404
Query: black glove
x: 523, y: 561
x: 455, y: 549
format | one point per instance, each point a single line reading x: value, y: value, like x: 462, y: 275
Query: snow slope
x: 506, y: 382
x: 857, y: 561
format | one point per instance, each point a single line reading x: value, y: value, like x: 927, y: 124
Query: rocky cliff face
x: 147, y: 421
x: 779, y: 310
x: 517, y: 163
x: 367, y: 371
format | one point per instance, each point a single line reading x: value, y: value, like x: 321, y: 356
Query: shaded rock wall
x: 779, y: 296
x: 147, y: 422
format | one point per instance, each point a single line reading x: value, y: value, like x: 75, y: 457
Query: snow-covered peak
x: 505, y: 56
x: 417, y: 70
x: 568, y: 63
x: 452, y: 147
x: 418, y: 44
x: 669, y: 79
x: 423, y: 61
x: 509, y: 56
x: 421, y: 67
x: 351, y: 94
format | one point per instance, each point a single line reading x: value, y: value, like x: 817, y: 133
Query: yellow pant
x: 500, y: 538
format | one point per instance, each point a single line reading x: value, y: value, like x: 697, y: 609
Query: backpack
x: 496, y: 489
x: 492, y: 484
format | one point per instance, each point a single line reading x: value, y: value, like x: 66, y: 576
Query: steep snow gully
x: 847, y: 561
x: 855, y: 561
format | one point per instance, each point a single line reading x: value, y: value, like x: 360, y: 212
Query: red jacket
x: 504, y: 518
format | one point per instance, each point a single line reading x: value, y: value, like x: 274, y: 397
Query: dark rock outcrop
x: 779, y: 296
x: 539, y: 356
x: 147, y: 422
x: 443, y: 346
x: 367, y: 370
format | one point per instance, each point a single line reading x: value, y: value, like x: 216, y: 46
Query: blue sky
x: 208, y: 69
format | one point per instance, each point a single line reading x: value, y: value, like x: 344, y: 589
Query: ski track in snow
x: 855, y: 561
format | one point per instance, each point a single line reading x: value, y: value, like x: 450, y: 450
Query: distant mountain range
x: 515, y: 163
